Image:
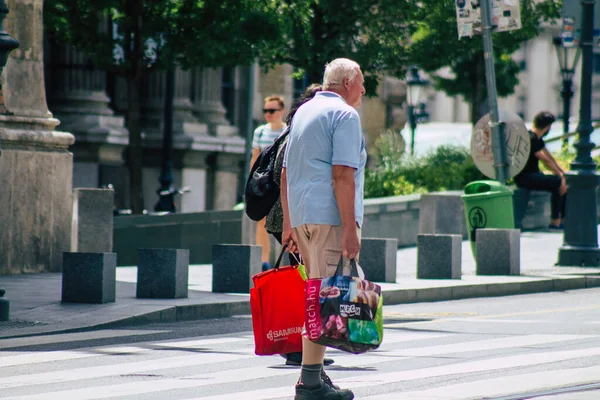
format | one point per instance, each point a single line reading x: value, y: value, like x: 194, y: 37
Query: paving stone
x: 378, y: 259
x: 233, y: 267
x: 89, y: 277
x: 498, y: 251
x: 163, y: 273
x: 439, y: 256
x: 442, y: 213
x: 92, y: 225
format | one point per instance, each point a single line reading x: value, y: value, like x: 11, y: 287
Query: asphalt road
x: 542, y: 346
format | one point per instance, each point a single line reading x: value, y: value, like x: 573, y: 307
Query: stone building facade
x: 211, y: 113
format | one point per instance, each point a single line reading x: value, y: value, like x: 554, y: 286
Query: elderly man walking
x: 322, y: 195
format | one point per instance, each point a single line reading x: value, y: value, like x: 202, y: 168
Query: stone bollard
x: 378, y: 259
x: 4, y: 306
x: 89, y: 277
x: 92, y: 225
x: 442, y: 213
x: 163, y: 273
x: 233, y: 267
x: 498, y: 251
x: 439, y: 256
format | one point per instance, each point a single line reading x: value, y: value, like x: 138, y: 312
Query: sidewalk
x: 36, y: 308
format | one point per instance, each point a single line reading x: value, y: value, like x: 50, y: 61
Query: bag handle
x: 353, y: 267
x: 278, y: 262
x: 276, y: 266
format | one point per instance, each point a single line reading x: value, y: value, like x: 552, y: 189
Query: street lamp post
x: 568, y: 56
x: 581, y: 231
x: 413, y: 99
x: 166, y: 193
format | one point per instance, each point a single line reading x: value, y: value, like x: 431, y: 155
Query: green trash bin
x: 488, y: 204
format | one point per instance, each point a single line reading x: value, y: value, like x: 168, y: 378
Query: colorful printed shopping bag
x: 276, y: 302
x: 344, y: 312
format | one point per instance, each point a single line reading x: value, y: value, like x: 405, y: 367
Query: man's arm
x: 552, y: 159
x: 544, y: 156
x: 288, y: 238
x: 344, y: 189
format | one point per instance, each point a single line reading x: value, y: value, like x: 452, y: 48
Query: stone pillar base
x: 35, y: 176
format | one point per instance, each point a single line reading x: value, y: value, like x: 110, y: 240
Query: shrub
x: 445, y: 168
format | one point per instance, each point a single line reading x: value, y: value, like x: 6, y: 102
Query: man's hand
x: 563, y: 187
x: 350, y: 243
x: 288, y: 240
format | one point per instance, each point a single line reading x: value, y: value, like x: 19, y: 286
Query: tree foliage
x: 314, y: 32
x: 187, y: 33
x: 132, y: 37
x: 435, y: 45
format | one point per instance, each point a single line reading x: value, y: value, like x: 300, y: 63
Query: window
x: 228, y: 93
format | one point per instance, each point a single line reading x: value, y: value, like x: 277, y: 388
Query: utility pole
x: 498, y: 140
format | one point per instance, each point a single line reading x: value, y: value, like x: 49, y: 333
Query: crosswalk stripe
x: 40, y: 357
x: 198, y: 343
x: 207, y: 379
x: 521, y: 383
x: 117, y: 369
x: 52, y: 356
x: 379, y: 380
x: 488, y: 344
x: 73, y: 337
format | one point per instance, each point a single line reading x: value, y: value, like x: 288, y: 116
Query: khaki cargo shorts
x: 321, y: 248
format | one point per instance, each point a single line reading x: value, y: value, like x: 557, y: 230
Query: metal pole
x: 166, y: 193
x: 412, y: 122
x: 498, y: 145
x: 581, y: 230
x: 249, y: 122
x: 566, y: 94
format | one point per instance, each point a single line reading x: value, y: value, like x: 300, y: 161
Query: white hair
x: 338, y: 70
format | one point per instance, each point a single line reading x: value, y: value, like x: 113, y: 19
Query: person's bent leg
x: 548, y: 183
x: 262, y: 239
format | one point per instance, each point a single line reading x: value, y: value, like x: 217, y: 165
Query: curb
x: 195, y: 312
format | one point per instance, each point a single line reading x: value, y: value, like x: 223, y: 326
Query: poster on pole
x: 506, y: 16
x: 517, y: 144
x: 572, y: 21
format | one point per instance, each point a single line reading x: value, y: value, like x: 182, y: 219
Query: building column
x: 227, y: 173
x: 35, y: 164
x: 185, y: 125
x: 194, y: 175
x: 208, y: 104
x: 77, y: 97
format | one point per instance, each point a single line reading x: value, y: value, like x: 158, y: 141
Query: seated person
x: 531, y: 177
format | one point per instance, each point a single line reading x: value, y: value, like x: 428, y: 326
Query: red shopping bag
x: 277, y: 304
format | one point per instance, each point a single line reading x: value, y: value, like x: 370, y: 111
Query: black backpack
x: 261, y: 190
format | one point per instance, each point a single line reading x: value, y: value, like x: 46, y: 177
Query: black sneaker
x: 324, y: 392
x: 327, y: 380
x: 296, y: 359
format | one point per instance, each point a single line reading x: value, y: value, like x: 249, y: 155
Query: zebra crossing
x: 411, y: 364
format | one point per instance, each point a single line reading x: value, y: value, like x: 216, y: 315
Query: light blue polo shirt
x: 325, y: 131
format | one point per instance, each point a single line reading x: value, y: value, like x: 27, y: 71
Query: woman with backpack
x: 264, y: 136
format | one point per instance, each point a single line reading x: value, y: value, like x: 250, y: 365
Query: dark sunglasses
x: 270, y: 110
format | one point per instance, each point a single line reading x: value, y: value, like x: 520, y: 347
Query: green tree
x: 435, y: 44
x: 132, y: 37
x: 314, y: 32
